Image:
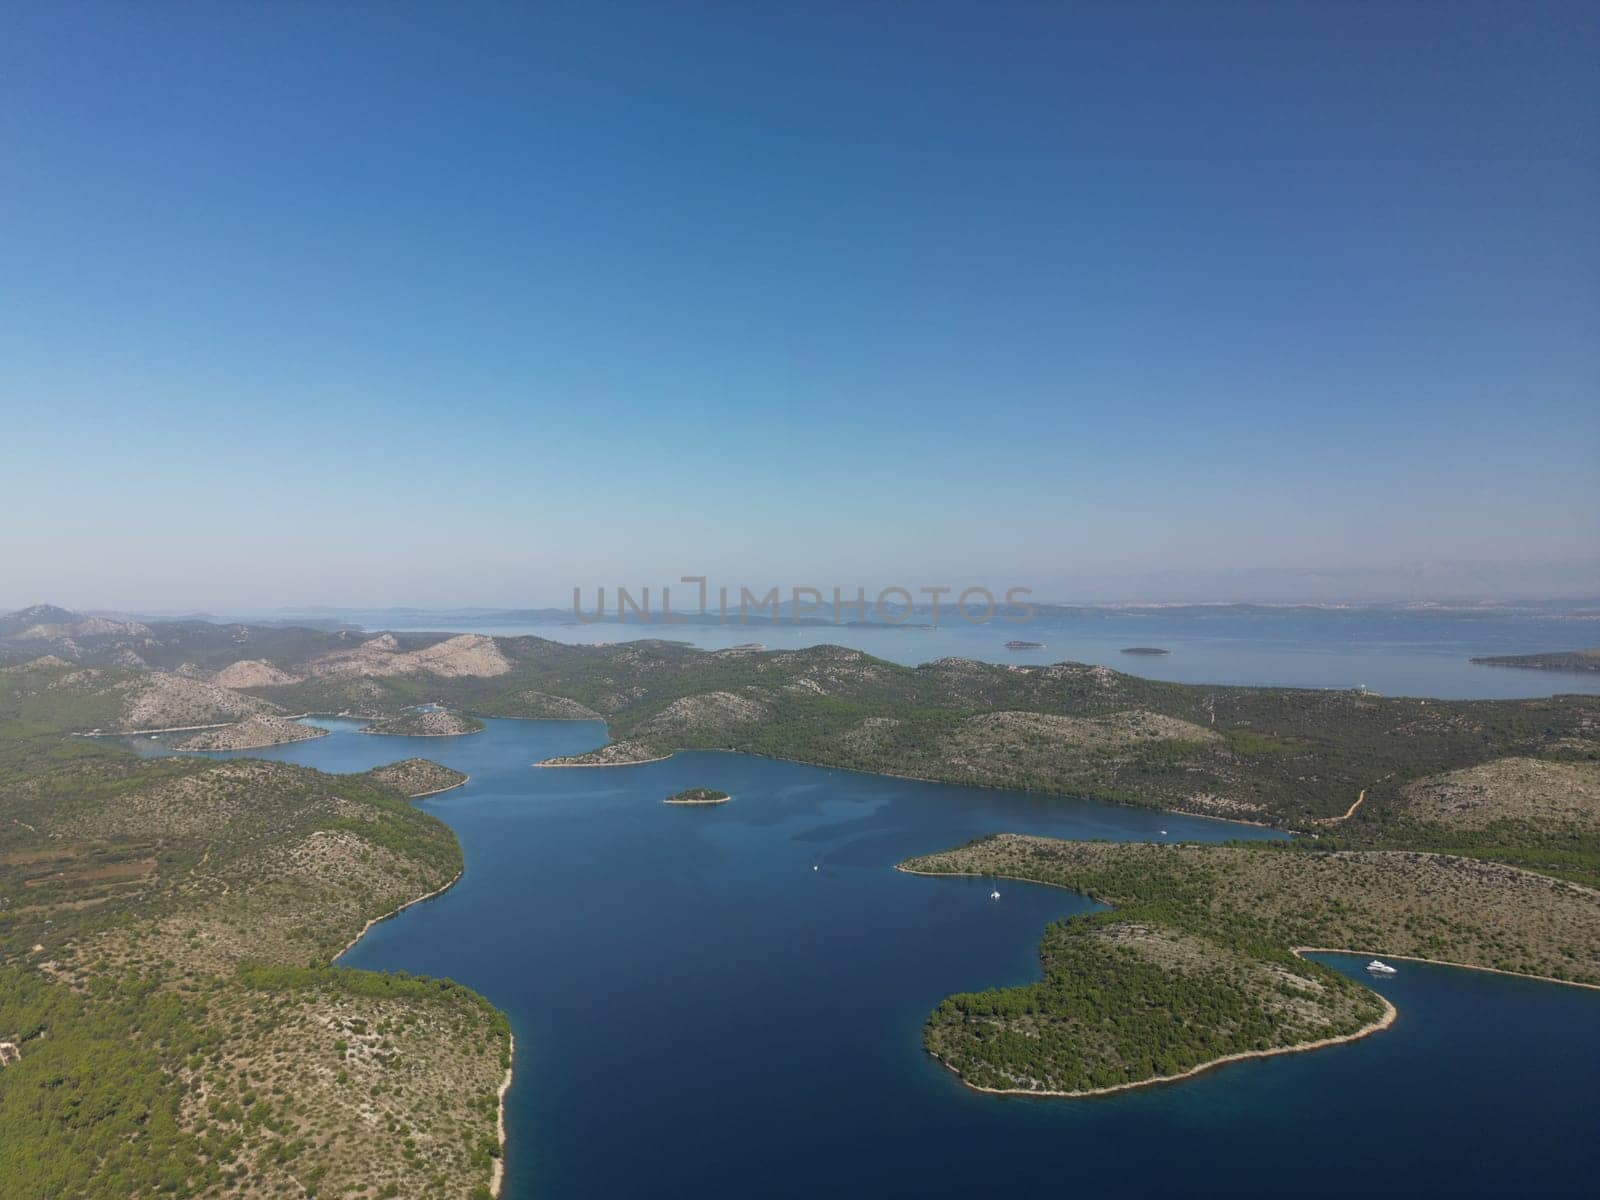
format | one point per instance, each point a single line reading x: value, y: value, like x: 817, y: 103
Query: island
x: 1145, y: 650
x: 429, y: 722
x: 1018, y: 644
x: 1573, y: 660
x: 697, y: 795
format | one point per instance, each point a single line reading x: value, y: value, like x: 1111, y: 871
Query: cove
x: 728, y: 1001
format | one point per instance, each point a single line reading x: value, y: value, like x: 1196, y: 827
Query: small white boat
x: 994, y: 895
x: 1381, y: 968
x: 814, y: 867
x: 1162, y: 832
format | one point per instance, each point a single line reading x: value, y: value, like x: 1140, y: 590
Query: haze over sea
x: 727, y: 1001
x: 1397, y: 652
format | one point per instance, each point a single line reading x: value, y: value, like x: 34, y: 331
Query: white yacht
x: 1381, y: 968
x: 995, y: 895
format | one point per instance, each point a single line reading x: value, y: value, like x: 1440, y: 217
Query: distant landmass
x: 1145, y: 650
x: 1570, y: 660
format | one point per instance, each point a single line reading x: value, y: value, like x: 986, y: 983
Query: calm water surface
x: 727, y: 1002
x: 1395, y: 653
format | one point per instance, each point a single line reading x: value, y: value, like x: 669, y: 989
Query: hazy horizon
x: 1555, y: 585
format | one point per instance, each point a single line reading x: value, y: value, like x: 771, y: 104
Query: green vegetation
x: 184, y: 913
x: 1196, y: 963
x: 89, y: 1110
x: 165, y: 930
x: 698, y: 795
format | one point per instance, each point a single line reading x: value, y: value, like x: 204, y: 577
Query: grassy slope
x: 165, y: 927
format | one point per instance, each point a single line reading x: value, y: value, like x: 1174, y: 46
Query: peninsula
x: 1574, y: 660
x: 1200, y: 956
x: 252, y: 733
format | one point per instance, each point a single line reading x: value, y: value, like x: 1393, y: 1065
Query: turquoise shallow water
x: 700, y: 1012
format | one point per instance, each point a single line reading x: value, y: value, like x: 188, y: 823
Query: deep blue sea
x: 727, y: 1002
x: 1396, y: 653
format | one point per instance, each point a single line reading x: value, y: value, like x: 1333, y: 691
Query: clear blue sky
x: 470, y: 304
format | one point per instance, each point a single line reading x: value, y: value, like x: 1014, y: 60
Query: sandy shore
x: 498, y: 1173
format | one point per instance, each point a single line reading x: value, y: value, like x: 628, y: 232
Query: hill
x: 156, y: 921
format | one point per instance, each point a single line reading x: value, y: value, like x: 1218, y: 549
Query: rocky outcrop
x: 251, y: 673
x: 470, y: 654
x: 159, y: 700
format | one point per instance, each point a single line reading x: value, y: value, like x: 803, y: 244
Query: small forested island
x: 1145, y: 650
x: 425, y: 723
x: 1018, y: 644
x: 697, y: 795
x: 1566, y: 660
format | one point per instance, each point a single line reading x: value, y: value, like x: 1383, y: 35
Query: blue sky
x: 472, y: 304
